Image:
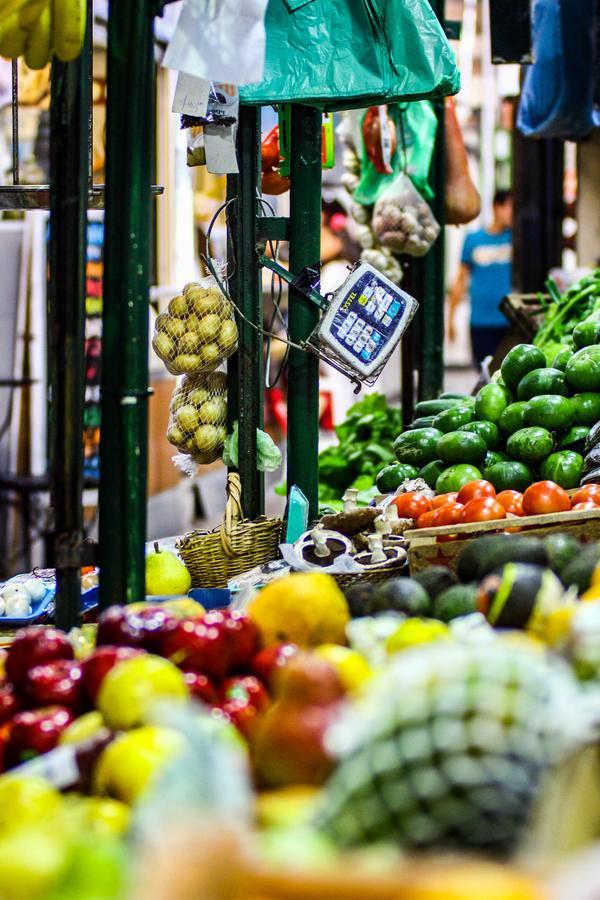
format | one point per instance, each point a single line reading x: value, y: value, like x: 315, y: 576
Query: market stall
x: 390, y: 691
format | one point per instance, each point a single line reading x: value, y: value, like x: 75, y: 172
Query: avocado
x: 360, y: 598
x: 561, y: 549
x: 455, y: 601
x: 518, y: 593
x: 489, y: 552
x: 436, y: 579
x: 403, y: 595
x: 580, y: 570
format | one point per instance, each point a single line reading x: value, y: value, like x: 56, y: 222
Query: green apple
x: 207, y: 437
x: 32, y: 861
x: 131, y: 687
x: 187, y: 418
x: 175, y: 328
x: 198, y: 396
x: 132, y: 761
x: 216, y: 382
x: 228, y: 335
x: 210, y: 354
x: 166, y: 574
x: 188, y: 362
x: 175, y: 436
x: 213, y: 412
x: 163, y: 345
x: 209, y: 328
x: 178, y: 307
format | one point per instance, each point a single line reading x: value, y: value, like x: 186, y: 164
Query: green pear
x: 166, y: 574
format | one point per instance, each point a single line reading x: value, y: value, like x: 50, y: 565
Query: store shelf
x: 27, y: 196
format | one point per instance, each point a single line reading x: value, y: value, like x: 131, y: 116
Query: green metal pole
x: 246, y: 372
x: 69, y: 111
x: 305, y: 250
x: 124, y: 425
x: 434, y: 264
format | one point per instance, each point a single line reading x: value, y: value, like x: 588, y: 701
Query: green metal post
x: 128, y: 225
x: 305, y: 250
x: 69, y: 111
x: 247, y: 381
x: 432, y: 313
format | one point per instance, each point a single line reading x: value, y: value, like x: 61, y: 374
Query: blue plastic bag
x: 556, y: 99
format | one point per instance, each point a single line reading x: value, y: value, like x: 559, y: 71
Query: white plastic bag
x: 402, y: 221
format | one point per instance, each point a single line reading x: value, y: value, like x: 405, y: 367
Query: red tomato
x: 476, y: 489
x: 589, y: 492
x: 483, y: 509
x: 443, y: 499
x: 585, y: 504
x: 426, y: 519
x: 512, y: 501
x: 448, y: 515
x: 545, y: 497
x: 444, y: 538
x: 412, y: 504
x: 510, y: 515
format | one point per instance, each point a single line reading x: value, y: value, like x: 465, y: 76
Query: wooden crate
x: 425, y: 549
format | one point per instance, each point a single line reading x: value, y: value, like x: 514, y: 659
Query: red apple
x: 99, y: 663
x: 56, y: 683
x: 198, y: 647
x: 33, y: 646
x: 246, y: 687
x: 9, y: 703
x: 269, y: 661
x: 202, y: 688
x: 245, y: 638
x: 34, y: 732
x: 117, y: 629
x: 241, y: 713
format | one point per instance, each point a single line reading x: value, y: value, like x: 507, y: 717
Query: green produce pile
x: 531, y: 422
x: 365, y: 446
x: 571, y: 320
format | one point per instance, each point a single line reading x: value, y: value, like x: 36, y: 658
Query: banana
x: 12, y: 38
x: 29, y: 14
x: 68, y: 28
x: 39, y: 45
x: 9, y: 7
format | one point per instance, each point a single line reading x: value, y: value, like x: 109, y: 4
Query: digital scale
x: 364, y: 319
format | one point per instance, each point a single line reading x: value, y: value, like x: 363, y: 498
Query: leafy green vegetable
x: 364, y: 447
x: 563, y: 312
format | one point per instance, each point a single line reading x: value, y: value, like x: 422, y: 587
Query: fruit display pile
x: 532, y: 422
x: 408, y: 714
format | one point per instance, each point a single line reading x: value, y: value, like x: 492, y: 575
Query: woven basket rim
x: 272, y: 521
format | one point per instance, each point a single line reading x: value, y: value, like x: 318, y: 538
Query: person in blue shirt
x: 486, y: 270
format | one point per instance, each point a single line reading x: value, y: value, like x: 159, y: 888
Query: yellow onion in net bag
x: 197, y: 331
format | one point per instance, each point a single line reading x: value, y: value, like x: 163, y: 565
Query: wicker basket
x: 236, y: 546
x: 375, y: 576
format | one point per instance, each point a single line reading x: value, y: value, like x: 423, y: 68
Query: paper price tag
x: 191, y: 95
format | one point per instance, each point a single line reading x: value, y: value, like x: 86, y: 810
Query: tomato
x: 483, y: 509
x: 589, y: 492
x: 444, y: 538
x: 473, y: 490
x: 586, y: 504
x: 443, y: 499
x: 412, y: 504
x: 545, y: 497
x: 426, y: 520
x: 510, y: 515
x: 512, y: 501
x: 448, y: 515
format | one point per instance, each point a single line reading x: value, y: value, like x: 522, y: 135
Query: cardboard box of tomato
x: 445, y: 523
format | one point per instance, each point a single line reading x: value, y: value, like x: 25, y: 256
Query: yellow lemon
x: 416, y: 631
x: 306, y: 609
x: 351, y: 666
x: 558, y: 625
x: 593, y: 592
x: 26, y: 800
x: 132, y: 686
x: 286, y: 806
x: 132, y: 761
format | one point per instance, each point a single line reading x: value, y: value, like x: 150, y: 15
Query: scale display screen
x: 367, y: 317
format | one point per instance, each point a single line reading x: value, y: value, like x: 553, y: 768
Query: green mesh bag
x: 344, y: 54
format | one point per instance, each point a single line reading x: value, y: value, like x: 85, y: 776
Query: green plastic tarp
x: 343, y: 54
